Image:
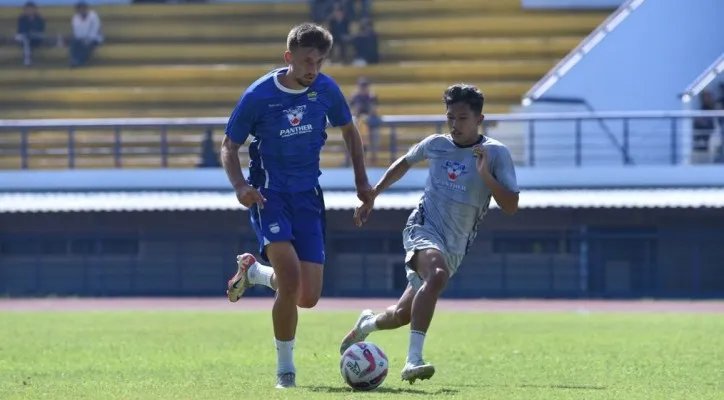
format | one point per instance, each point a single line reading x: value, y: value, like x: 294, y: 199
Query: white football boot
x: 356, y: 335
x: 417, y: 370
x: 240, y: 281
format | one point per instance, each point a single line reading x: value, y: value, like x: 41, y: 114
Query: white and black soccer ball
x: 364, y: 366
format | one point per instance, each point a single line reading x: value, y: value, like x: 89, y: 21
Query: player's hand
x: 362, y: 212
x: 481, y: 162
x: 365, y: 192
x: 248, y: 196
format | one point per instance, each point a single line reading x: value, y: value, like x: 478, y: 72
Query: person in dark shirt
x: 339, y: 25
x: 363, y: 99
x: 365, y: 43
x: 358, y: 9
x: 320, y: 10
x: 209, y: 158
x: 30, y: 32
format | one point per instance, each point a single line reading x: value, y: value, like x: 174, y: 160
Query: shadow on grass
x: 383, y: 389
x: 536, y: 386
x: 572, y: 387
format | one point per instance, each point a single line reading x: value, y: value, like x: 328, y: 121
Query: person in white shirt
x: 86, y: 34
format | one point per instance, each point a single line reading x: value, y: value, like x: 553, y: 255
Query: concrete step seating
x: 241, y: 75
x: 77, y: 97
x: 194, y: 60
x: 399, y: 50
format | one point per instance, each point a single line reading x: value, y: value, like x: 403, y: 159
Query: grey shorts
x: 419, y: 237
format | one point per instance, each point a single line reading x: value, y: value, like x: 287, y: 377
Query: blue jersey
x: 288, y: 128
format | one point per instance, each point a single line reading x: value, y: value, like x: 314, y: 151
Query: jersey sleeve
x: 418, y: 152
x: 339, y: 113
x: 243, y: 119
x: 504, y: 170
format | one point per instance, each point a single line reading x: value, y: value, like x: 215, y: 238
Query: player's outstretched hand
x: 248, y: 196
x: 365, y: 193
x: 362, y: 212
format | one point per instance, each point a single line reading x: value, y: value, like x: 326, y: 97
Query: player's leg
x: 394, y: 317
x: 287, y: 271
x: 432, y: 267
x: 272, y: 225
x: 310, y: 288
x: 398, y: 314
x: 308, y: 228
x: 249, y: 271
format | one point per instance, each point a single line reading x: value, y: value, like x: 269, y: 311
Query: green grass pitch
x: 230, y: 355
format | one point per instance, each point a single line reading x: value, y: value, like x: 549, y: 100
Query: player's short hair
x: 309, y: 35
x: 467, y: 94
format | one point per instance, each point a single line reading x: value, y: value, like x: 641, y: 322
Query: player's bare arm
x: 506, y: 199
x: 247, y: 195
x: 353, y: 141
x: 394, y: 173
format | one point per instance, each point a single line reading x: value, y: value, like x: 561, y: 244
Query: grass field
x: 230, y: 355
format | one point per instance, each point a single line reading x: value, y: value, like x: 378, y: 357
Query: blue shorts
x: 292, y: 217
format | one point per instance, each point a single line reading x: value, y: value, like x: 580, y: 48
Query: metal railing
x: 570, y: 138
x: 704, y: 79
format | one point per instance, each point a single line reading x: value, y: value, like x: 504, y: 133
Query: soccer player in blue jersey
x: 286, y: 112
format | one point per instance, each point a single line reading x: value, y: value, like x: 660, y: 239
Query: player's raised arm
x: 502, y: 180
x: 240, y: 125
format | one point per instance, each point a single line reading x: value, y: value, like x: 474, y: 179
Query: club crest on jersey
x: 454, y: 170
x: 295, y: 114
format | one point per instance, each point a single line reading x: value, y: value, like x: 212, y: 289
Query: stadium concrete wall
x: 643, y: 62
x: 343, y: 178
x: 71, y: 3
x: 570, y: 4
x: 552, y: 253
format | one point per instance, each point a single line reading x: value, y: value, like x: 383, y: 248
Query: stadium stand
x: 194, y: 60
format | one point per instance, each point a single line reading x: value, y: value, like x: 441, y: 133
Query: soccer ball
x: 364, y: 366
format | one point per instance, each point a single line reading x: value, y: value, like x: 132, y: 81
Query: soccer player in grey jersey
x: 465, y: 170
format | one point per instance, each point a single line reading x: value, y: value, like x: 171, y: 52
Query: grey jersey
x: 456, y: 199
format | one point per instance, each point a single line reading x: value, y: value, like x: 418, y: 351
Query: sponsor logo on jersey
x: 454, y: 169
x: 295, y: 115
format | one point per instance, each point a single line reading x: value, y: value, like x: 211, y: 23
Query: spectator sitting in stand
x: 365, y: 44
x: 86, y: 34
x: 364, y: 107
x: 30, y: 32
x: 339, y: 28
x: 208, y: 157
x: 365, y: 9
x: 320, y: 10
